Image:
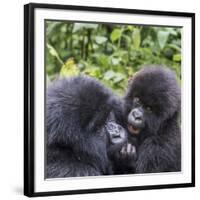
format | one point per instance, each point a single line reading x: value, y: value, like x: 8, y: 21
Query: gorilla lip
x: 133, y: 129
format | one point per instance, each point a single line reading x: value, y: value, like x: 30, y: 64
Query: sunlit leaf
x: 177, y: 57
x: 136, y: 38
x: 63, y: 28
x: 69, y: 68
x: 100, y: 39
x: 115, y: 61
x: 162, y: 38
x: 129, y: 27
x: 115, y: 35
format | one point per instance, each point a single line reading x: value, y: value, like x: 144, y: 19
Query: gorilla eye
x: 149, y: 109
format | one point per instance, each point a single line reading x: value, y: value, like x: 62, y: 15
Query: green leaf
x: 130, y: 27
x: 136, y: 38
x: 173, y: 46
x: 127, y: 38
x: 54, y: 53
x: 115, y: 61
x: 162, y: 37
x: 103, y: 60
x: 100, y: 39
x: 177, y: 57
x: 69, y: 68
x: 118, y: 77
x: 63, y: 28
x: 109, y: 75
x: 115, y: 35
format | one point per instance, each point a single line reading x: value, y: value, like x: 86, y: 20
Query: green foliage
x: 111, y: 53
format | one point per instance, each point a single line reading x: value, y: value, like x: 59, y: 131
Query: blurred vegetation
x: 109, y: 52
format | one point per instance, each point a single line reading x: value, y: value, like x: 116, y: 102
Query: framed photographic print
x: 109, y: 99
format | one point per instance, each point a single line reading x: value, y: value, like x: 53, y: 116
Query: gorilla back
x: 76, y: 111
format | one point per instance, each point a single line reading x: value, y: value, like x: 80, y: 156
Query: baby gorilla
x: 120, y: 152
x: 152, y: 108
x: 77, y: 111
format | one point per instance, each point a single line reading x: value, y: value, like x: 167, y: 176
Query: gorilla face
x: 136, y: 120
x: 117, y: 133
x: 153, y: 97
x: 141, y: 116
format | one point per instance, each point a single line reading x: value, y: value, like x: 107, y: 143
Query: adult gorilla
x: 77, y: 111
x: 152, y: 107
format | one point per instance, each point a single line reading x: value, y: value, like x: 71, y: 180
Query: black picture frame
x: 29, y: 96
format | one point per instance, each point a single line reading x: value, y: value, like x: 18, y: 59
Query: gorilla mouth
x: 133, y: 129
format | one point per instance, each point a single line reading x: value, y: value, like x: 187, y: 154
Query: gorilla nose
x: 137, y: 114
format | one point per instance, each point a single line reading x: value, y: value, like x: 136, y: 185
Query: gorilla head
x: 77, y: 140
x: 153, y: 97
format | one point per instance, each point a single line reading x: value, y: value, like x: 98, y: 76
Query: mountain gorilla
x: 152, y: 108
x: 82, y: 134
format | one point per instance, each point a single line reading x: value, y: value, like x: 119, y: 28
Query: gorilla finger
x: 123, y: 150
x: 129, y: 149
x: 133, y: 149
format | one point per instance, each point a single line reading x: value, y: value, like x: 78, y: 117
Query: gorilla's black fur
x: 152, y: 107
x: 77, y: 110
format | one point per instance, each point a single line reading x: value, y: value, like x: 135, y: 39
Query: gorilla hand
x: 128, y: 151
x: 121, y: 153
